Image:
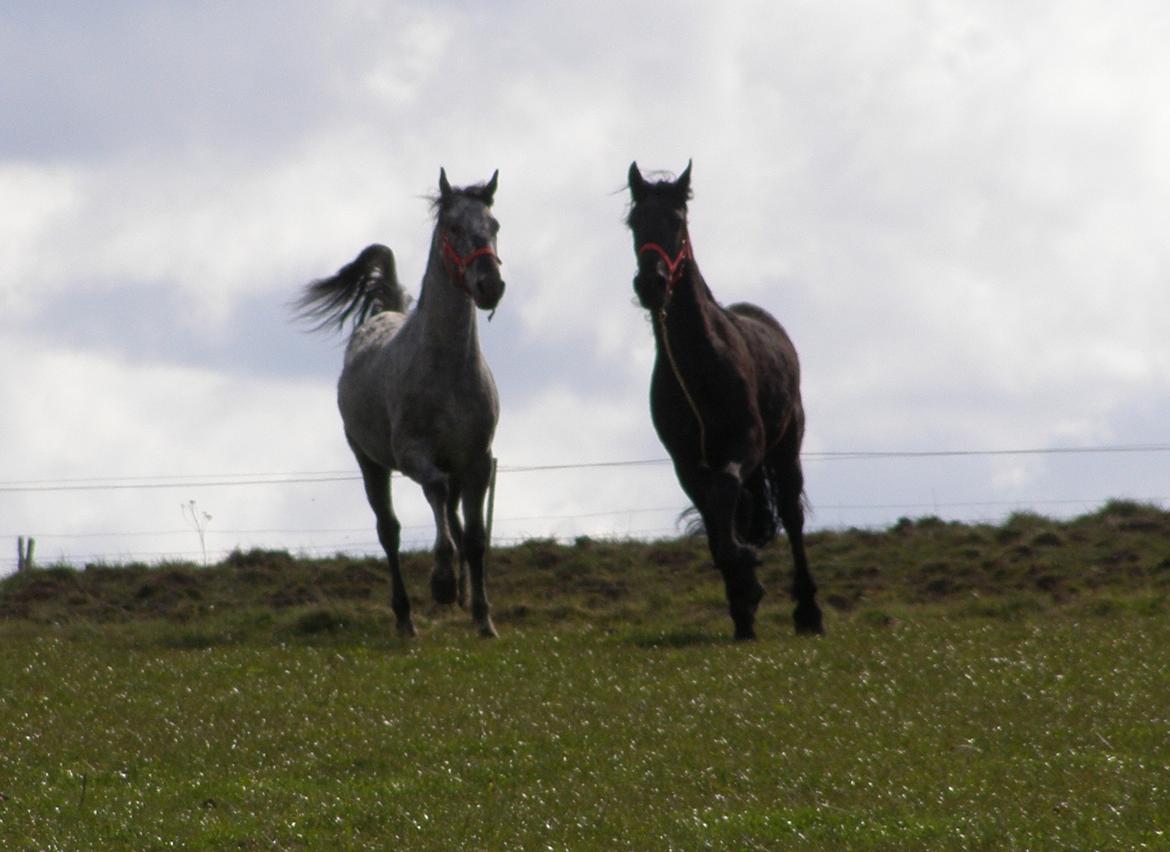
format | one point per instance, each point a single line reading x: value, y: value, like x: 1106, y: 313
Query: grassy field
x: 979, y: 687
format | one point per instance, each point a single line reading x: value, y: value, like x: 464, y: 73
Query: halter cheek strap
x: 674, y: 265
x: 458, y: 264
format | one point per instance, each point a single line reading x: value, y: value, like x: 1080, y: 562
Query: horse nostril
x: 488, y: 292
x: 652, y: 278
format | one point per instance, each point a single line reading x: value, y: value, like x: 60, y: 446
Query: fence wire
x: 654, y: 521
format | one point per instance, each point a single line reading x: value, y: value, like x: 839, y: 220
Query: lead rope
x: 678, y: 377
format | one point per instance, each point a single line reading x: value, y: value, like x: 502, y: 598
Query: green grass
x: 265, y: 702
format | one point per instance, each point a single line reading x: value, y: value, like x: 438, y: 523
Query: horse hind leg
x: 789, y: 484
x: 377, y: 483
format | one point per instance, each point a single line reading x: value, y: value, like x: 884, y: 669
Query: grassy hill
x: 980, y: 687
x: 1028, y: 562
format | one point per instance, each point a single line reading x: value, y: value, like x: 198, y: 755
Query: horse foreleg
x: 716, y: 495
x: 377, y: 482
x: 443, y: 586
x: 475, y: 543
x: 456, y: 527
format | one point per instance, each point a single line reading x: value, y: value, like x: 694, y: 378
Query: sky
x: 958, y: 211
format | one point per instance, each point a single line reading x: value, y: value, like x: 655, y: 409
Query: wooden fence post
x: 24, y: 553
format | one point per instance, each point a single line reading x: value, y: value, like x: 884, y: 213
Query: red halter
x: 458, y: 264
x: 674, y: 266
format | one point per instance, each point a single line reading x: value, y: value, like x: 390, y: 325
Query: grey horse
x: 416, y: 394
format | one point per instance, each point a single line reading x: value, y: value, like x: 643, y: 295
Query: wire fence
x: 220, y: 480
x: 646, y: 522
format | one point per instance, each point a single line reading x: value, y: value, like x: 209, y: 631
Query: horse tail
x: 360, y: 289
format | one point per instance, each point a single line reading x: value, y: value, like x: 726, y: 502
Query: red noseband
x: 674, y: 266
x: 459, y: 263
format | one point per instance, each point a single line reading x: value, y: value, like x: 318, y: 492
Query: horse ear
x: 489, y: 190
x: 637, y: 183
x: 684, y: 181
x: 444, y: 186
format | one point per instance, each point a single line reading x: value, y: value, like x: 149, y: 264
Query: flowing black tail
x: 367, y: 286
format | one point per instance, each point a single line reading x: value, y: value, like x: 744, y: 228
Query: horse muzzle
x: 651, y: 288
x: 487, y: 291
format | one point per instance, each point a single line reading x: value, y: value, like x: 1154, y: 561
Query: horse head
x: 467, y: 233
x: 658, y: 220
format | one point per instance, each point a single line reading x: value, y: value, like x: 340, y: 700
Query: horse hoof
x: 808, y: 621
x: 406, y: 629
x: 443, y: 589
x: 745, y: 625
x: 488, y: 631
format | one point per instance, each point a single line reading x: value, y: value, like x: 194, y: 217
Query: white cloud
x: 33, y: 221
x: 957, y: 213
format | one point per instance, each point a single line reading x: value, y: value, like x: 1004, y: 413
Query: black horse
x: 725, y: 401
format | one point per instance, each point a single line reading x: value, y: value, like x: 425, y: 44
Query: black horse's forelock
x: 667, y: 184
x: 666, y: 188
